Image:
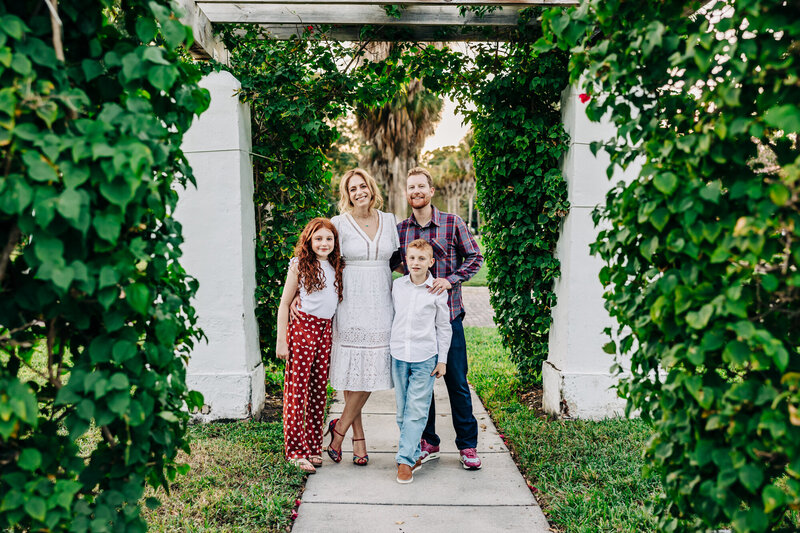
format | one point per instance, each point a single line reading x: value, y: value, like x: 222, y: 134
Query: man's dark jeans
x: 458, y: 389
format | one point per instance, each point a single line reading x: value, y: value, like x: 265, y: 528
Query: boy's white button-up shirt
x: 421, y: 326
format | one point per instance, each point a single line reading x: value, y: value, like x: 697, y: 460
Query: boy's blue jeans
x: 413, y: 389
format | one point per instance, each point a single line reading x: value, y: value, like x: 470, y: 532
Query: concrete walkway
x: 443, y: 497
x: 479, y: 310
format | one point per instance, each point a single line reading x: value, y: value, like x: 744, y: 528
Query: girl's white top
x: 321, y: 304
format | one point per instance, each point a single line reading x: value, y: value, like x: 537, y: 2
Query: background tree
x: 454, y: 176
x: 394, y: 134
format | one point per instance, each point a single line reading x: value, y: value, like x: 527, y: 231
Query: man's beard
x: 417, y: 202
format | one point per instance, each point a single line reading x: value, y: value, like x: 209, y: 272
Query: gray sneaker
x: 429, y: 452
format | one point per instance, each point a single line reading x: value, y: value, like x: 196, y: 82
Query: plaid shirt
x: 457, y: 255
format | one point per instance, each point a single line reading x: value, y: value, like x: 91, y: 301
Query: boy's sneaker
x: 405, y: 473
x: 429, y: 452
x: 470, y: 459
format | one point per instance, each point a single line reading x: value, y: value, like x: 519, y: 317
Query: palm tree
x: 454, y: 175
x: 394, y: 135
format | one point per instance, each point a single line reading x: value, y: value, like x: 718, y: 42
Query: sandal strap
x: 356, y: 440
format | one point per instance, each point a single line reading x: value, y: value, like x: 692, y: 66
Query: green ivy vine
x: 701, y: 249
x: 522, y: 195
x: 95, y: 320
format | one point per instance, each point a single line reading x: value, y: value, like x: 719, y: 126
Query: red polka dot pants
x: 304, y: 387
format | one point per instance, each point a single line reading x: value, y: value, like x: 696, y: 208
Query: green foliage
x: 589, y: 476
x: 89, y: 271
x: 296, y: 90
x: 701, y: 248
x: 521, y: 192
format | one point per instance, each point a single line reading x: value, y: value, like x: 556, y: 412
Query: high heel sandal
x: 333, y: 453
x: 358, y: 459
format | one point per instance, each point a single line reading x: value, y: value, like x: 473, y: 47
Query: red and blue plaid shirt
x: 457, y: 255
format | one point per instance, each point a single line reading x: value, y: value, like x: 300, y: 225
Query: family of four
x: 351, y: 323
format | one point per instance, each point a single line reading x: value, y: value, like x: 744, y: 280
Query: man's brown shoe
x: 405, y: 474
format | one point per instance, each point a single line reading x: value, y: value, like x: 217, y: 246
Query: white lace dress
x: 362, y: 325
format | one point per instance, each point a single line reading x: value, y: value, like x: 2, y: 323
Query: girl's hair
x: 309, y: 271
x: 344, y: 195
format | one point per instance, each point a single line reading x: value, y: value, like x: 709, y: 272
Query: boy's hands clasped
x: 440, y: 370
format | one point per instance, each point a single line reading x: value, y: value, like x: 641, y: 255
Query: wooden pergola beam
x: 420, y: 20
x: 285, y: 32
x: 404, y: 2
x: 310, y: 14
x: 206, y: 45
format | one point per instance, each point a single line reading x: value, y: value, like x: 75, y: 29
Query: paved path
x: 479, y: 310
x: 443, y: 497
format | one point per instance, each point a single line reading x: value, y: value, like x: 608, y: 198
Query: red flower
x: 584, y: 97
x: 297, y: 502
x: 294, y: 514
x: 310, y: 28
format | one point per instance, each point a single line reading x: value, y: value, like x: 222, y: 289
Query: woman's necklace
x: 361, y: 220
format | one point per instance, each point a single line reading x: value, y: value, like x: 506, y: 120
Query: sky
x: 449, y: 131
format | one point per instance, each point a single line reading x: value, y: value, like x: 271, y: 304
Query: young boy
x: 419, y: 344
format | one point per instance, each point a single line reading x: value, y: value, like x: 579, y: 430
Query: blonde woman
x: 362, y: 325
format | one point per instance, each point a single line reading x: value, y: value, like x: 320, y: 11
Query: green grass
x: 589, y: 475
x: 238, y: 481
x: 479, y: 279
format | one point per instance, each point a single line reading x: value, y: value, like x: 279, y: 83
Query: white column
x: 576, y: 376
x: 219, y: 250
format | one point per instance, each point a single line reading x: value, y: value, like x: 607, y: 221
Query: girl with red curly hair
x: 305, y: 344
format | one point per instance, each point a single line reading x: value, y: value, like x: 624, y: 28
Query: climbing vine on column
x: 95, y: 321
x: 522, y: 194
x: 701, y: 249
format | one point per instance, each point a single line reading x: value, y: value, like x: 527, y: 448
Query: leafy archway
x: 509, y: 90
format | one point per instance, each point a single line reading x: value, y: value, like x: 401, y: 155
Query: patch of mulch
x: 532, y: 397
x: 273, y: 407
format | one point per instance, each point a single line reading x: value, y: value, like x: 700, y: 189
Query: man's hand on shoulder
x: 440, y: 285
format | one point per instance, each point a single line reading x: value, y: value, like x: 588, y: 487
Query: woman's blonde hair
x: 344, y: 197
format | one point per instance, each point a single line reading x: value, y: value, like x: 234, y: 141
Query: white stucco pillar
x: 219, y: 250
x: 576, y: 377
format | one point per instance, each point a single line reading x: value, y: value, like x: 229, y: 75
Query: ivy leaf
x: 665, y: 182
x: 699, y: 319
x: 107, y: 226
x: 38, y: 168
x: 13, y: 26
x: 779, y: 194
x: 784, y: 117
x: 163, y: 78
x: 117, y: 191
x: 174, y: 32
x: 751, y: 477
x: 36, y: 508
x: 29, y: 459
x: 138, y: 296
x: 736, y: 352
x: 659, y: 218
x: 773, y: 498
x: 69, y: 204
